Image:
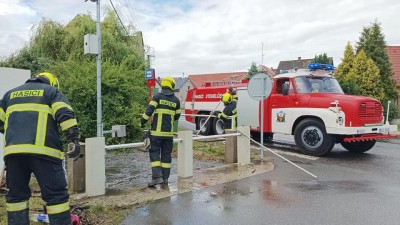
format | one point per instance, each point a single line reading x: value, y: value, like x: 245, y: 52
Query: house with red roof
x: 394, y: 57
x: 182, y: 86
x: 220, y: 79
x: 217, y: 79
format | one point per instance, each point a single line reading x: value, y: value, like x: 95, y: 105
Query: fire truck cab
x: 307, y: 103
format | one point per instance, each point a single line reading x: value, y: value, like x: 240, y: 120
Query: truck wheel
x: 311, y: 137
x: 205, y: 129
x: 358, y: 147
x: 218, y: 126
x: 268, y: 137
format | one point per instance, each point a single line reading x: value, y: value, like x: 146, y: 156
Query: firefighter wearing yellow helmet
x: 229, y: 114
x: 164, y: 107
x: 31, y: 117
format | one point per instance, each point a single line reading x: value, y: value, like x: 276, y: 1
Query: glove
x: 146, y: 140
x: 142, y: 123
x: 74, y: 150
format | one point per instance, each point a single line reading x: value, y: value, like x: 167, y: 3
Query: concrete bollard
x: 76, y: 173
x: 230, y: 148
x: 95, y: 166
x: 185, y: 154
x: 243, y: 146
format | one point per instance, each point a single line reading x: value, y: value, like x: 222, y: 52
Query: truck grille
x: 370, y: 112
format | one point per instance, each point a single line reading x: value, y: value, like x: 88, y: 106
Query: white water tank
x: 10, y: 78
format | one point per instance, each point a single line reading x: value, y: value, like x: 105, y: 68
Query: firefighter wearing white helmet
x: 164, y: 107
x: 229, y: 113
x: 31, y: 117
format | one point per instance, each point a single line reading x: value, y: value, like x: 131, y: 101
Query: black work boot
x: 165, y: 181
x: 63, y: 218
x: 18, y: 217
x: 164, y: 184
x: 155, y: 181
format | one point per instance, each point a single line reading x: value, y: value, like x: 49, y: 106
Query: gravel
x: 129, y: 168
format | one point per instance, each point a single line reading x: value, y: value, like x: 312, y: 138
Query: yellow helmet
x: 226, y: 98
x: 168, y: 82
x: 53, y: 81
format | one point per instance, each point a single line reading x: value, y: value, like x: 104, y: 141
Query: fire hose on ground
x: 287, y: 160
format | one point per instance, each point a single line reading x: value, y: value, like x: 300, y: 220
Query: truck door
x: 282, y: 105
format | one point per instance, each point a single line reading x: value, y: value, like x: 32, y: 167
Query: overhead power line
x: 122, y: 24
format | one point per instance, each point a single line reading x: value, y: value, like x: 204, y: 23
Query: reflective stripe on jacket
x: 165, y: 108
x: 31, y: 116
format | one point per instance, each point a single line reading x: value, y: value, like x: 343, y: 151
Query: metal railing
x: 95, y: 156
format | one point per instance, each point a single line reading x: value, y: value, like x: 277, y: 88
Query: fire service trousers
x: 51, y: 178
x: 160, y: 157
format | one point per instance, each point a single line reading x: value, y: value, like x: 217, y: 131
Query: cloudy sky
x: 211, y: 36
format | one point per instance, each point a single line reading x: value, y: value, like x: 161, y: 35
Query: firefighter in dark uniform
x: 165, y: 109
x: 229, y: 113
x: 30, y: 118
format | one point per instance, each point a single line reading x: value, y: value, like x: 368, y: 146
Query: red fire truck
x: 306, y: 103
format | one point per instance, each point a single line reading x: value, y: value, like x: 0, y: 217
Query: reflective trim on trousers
x: 18, y: 206
x: 55, y: 209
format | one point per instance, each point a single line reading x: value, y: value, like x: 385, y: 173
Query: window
x: 314, y: 84
x: 279, y: 85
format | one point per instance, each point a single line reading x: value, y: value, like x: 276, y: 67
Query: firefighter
x: 231, y: 91
x: 31, y: 116
x: 165, y: 109
x: 229, y: 113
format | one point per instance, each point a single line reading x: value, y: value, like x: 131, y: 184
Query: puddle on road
x: 201, y: 179
x: 344, y: 186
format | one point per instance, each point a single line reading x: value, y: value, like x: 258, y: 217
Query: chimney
x: 299, y: 58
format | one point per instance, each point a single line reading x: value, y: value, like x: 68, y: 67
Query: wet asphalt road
x: 350, y: 189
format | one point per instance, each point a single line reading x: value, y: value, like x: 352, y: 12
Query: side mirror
x: 285, y: 88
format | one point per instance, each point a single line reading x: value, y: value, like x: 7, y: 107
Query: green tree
x: 372, y: 41
x: 322, y: 58
x: 366, y: 75
x: 347, y: 83
x: 59, y: 49
x: 252, y: 71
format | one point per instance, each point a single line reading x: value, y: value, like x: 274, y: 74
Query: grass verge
x: 205, y: 151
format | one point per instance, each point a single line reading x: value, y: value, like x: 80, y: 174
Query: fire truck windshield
x: 314, y: 84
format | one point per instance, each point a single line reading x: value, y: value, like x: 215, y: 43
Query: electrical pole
x: 99, y: 108
x: 149, y: 55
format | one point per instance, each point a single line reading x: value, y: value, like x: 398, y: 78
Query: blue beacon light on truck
x: 319, y: 66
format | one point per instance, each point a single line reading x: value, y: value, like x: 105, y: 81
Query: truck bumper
x: 382, y: 129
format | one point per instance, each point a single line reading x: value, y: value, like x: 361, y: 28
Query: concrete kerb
x: 95, y: 158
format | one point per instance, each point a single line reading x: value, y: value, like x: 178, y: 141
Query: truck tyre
x: 358, y: 147
x: 268, y: 137
x: 218, y: 126
x: 206, y: 129
x: 311, y: 138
